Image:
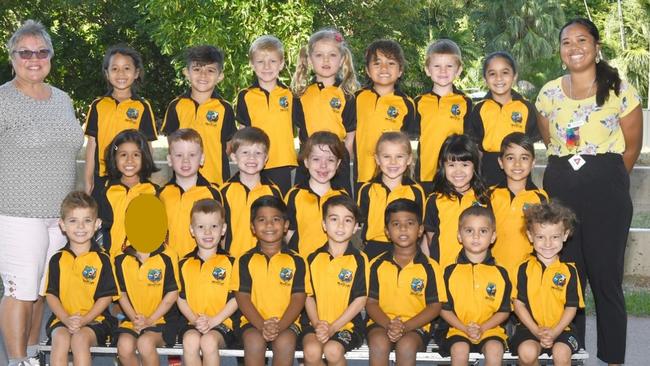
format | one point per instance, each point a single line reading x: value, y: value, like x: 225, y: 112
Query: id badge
x: 577, y: 162
x: 575, y: 124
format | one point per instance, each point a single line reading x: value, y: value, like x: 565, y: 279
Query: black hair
x: 478, y: 211
x: 124, y: 50
x: 388, y: 48
x: 345, y: 201
x: 268, y: 201
x: 607, y: 77
x: 136, y: 137
x: 519, y: 139
x: 204, y: 55
x: 402, y: 205
x: 500, y: 54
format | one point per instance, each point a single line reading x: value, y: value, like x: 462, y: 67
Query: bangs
x: 459, y: 152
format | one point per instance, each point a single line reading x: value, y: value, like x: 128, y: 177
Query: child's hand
x: 139, y: 322
x: 73, y: 323
x: 322, y: 331
x: 201, y: 324
x: 474, y: 331
x: 548, y: 337
x: 395, y: 329
x: 270, y: 330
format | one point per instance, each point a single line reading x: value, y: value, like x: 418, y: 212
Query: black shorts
x: 424, y: 334
x: 169, y: 333
x: 227, y: 333
x: 347, y: 338
x: 240, y: 333
x: 523, y: 334
x: 445, y: 345
x: 101, y: 329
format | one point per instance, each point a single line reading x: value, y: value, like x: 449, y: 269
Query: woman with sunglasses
x: 39, y: 139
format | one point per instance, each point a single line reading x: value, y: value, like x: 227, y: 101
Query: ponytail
x: 299, y: 80
x: 607, y: 78
x: 349, y: 82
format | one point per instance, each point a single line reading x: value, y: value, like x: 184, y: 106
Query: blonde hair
x: 399, y: 138
x: 349, y: 82
x: 266, y: 43
x: 444, y: 47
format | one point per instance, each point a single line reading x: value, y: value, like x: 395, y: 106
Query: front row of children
x: 258, y: 298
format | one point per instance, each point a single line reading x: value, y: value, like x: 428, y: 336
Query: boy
x: 205, y: 299
x: 250, y: 148
x: 478, y: 293
x: 548, y: 292
x: 204, y: 110
x: 511, y: 199
x: 339, y: 276
x: 406, y: 289
x: 80, y: 285
x: 442, y: 111
x: 268, y: 104
x: 186, y: 186
x: 270, y: 284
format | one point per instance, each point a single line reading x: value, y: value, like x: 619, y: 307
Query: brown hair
x: 266, y: 43
x: 185, y: 134
x: 443, y: 46
x: 250, y: 136
x: 207, y: 206
x: 552, y: 212
x: 395, y: 137
x: 77, y: 199
x: 322, y: 138
x: 478, y: 211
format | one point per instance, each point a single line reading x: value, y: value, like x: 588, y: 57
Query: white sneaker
x: 33, y: 361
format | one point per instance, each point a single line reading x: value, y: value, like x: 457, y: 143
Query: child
x: 406, y: 289
x: 503, y: 111
x: 381, y: 106
x: 80, y: 285
x: 339, y: 275
x: 440, y: 112
x: 204, y: 110
x: 205, y: 299
x: 456, y: 187
x: 268, y: 104
x: 129, y: 165
x: 510, y: 200
x: 250, y: 148
x: 321, y: 154
x: 548, y: 291
x: 323, y: 105
x: 478, y: 293
x: 270, y: 284
x: 393, y: 157
x: 187, y: 185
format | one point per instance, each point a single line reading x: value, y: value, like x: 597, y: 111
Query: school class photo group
x: 355, y: 238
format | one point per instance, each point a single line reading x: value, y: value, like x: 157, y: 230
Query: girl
x: 129, y: 166
x: 321, y: 155
x: 502, y: 112
x: 119, y: 110
x: 393, y: 156
x: 457, y: 186
x: 323, y: 105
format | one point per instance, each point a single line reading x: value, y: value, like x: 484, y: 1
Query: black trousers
x: 599, y: 193
x: 281, y: 176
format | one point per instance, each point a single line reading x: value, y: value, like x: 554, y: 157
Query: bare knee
x: 334, y: 352
x: 561, y: 354
x: 126, y: 345
x: 312, y: 350
x: 493, y: 351
x: 253, y: 341
x: 191, y: 341
x: 459, y: 353
x: 210, y: 342
x: 147, y: 344
x: 528, y: 352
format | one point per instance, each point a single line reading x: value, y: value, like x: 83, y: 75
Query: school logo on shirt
x: 212, y: 117
x: 516, y: 117
x: 559, y: 280
x: 89, y: 273
x: 154, y: 275
x: 455, y: 110
x: 345, y: 276
x: 286, y: 274
x: 335, y: 103
x: 219, y: 273
x: 417, y: 285
x: 132, y: 114
x: 392, y: 112
x: 491, y: 290
x: 284, y: 103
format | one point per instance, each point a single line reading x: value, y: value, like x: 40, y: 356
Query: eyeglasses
x: 29, y: 54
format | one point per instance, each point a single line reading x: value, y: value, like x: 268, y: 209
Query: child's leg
x: 126, y: 346
x: 380, y: 346
x: 493, y: 352
x: 80, y: 345
x: 284, y: 348
x: 334, y: 353
x: 254, y: 347
x: 210, y: 344
x: 459, y: 354
x: 407, y: 347
x: 312, y: 350
x: 191, y: 348
x: 528, y: 352
x: 147, y: 344
x: 561, y: 354
x: 60, y: 346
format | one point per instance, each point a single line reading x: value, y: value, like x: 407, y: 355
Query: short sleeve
x: 290, y: 201
x: 543, y: 102
x: 431, y: 219
x: 574, y: 289
x: 506, y: 304
x: 350, y: 114
x: 181, y: 292
x: 148, y: 122
x: 92, y: 120
x: 53, y: 275
x: 373, y: 289
x: 106, y: 285
x: 448, y: 304
x: 119, y: 272
x: 301, y: 276
x: 630, y: 98
x: 171, y: 122
x: 242, y: 109
x: 170, y: 284
x: 229, y: 128
x: 359, y: 283
x: 431, y: 290
x: 241, y: 280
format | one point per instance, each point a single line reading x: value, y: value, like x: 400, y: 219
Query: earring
x: 597, y: 59
x: 563, y: 66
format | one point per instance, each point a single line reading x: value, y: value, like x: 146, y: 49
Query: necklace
x: 571, y: 88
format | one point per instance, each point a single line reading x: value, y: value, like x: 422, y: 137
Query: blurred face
x: 267, y: 65
x: 516, y: 163
x: 128, y: 159
x: 203, y: 78
x: 207, y: 229
x: 476, y: 234
x: 339, y: 224
x: 499, y: 77
x: 121, y: 73
x: 459, y: 174
x: 547, y: 239
x: 403, y: 229
x: 384, y: 71
x: 250, y: 158
x: 326, y: 59
x: 269, y: 226
x: 79, y: 225
x: 322, y: 164
x: 393, y: 159
x: 185, y: 158
x: 32, y: 70
x: 443, y: 69
x: 578, y: 48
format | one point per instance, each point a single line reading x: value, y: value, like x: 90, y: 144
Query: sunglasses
x: 29, y: 54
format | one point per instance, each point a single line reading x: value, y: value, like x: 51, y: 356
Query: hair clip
x: 114, y: 147
x: 338, y: 37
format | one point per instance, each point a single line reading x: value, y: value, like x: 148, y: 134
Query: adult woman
x: 591, y: 123
x: 39, y: 139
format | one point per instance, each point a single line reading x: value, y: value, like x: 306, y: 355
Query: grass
x: 637, y: 302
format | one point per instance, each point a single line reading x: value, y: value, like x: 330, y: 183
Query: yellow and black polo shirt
x: 273, y: 113
x: 546, y: 291
x: 373, y: 198
x: 490, y: 121
x: 146, y: 283
x: 112, y: 210
x: 205, y: 285
x: 305, y: 211
x: 322, y: 108
x: 437, y: 117
x: 337, y: 282
x: 441, y: 218
x: 405, y: 292
x: 270, y: 281
x: 107, y: 117
x: 237, y: 201
x: 178, y: 204
x: 375, y: 115
x: 79, y: 281
x: 475, y: 292
x: 512, y: 245
x: 214, y: 120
